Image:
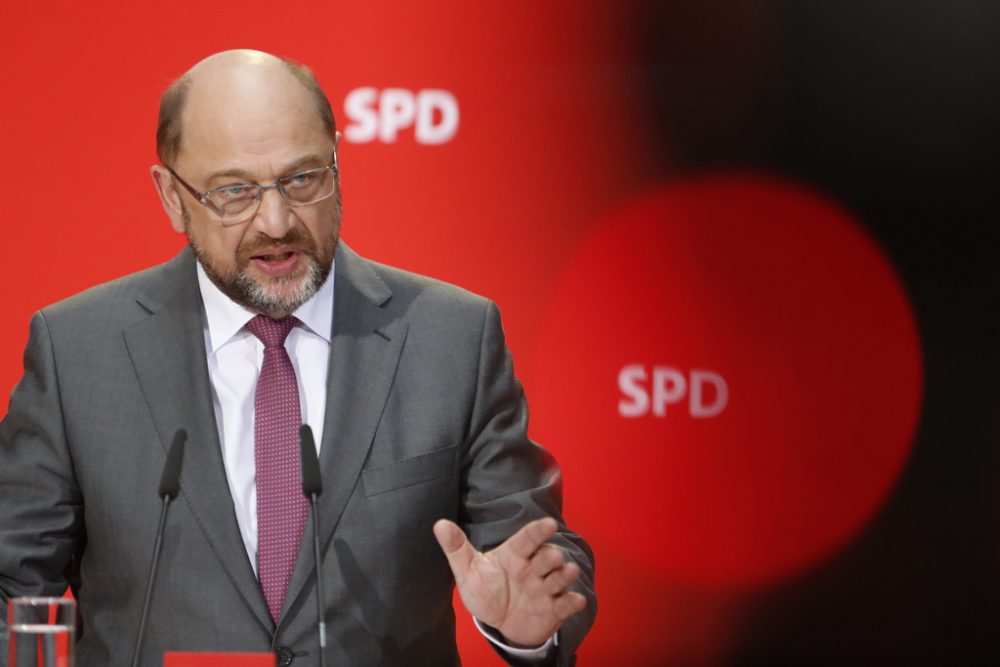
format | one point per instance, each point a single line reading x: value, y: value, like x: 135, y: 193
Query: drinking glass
x: 41, y: 632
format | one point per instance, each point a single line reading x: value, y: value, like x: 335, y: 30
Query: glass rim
x: 203, y: 198
x: 258, y: 197
x: 39, y: 599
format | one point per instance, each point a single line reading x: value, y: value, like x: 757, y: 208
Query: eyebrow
x: 296, y: 166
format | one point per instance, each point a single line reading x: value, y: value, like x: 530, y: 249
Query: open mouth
x: 277, y: 263
x: 274, y: 257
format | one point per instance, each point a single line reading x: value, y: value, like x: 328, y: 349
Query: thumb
x: 456, y: 547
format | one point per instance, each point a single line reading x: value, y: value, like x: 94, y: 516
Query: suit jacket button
x: 285, y: 656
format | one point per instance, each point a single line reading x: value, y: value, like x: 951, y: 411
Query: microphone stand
x: 312, y: 487
x: 169, y: 488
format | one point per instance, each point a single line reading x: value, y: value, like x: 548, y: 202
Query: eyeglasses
x: 240, y: 201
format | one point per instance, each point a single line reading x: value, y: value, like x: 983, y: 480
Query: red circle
x: 783, y: 296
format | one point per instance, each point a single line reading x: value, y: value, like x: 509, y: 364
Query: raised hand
x: 519, y: 588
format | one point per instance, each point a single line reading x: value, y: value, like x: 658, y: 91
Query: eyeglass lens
x: 306, y: 187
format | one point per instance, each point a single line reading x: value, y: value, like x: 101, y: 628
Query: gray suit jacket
x: 424, y: 420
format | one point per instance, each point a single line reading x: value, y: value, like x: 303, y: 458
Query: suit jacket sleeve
x: 41, y: 507
x: 509, y: 480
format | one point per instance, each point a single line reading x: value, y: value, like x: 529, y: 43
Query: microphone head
x: 312, y: 483
x: 170, y: 480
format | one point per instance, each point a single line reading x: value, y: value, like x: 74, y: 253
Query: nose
x: 274, y: 216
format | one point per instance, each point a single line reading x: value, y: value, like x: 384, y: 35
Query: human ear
x: 169, y: 196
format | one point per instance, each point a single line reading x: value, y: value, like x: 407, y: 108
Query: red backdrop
x: 725, y: 364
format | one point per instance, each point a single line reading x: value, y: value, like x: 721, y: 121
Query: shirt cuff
x: 539, y: 654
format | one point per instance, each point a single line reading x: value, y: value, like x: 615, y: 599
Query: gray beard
x: 243, y: 290
x: 254, y: 297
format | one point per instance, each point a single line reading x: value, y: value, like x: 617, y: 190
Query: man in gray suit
x: 407, y: 381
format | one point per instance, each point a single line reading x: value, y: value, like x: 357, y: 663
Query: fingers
x: 559, y: 580
x: 525, y: 542
x: 456, y: 547
x: 549, y: 565
x: 546, y: 559
x: 569, y: 604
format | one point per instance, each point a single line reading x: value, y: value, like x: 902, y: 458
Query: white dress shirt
x: 234, y: 359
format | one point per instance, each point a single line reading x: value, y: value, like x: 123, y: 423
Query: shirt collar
x: 225, y: 318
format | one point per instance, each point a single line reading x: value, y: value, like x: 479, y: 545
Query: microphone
x: 312, y: 483
x: 170, y: 486
x: 312, y: 488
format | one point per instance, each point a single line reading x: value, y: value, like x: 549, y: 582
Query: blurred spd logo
x: 751, y: 348
x: 647, y: 391
x: 380, y: 115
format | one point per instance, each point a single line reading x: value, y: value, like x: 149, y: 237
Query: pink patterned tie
x: 281, y: 507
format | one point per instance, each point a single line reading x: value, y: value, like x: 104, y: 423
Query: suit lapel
x: 366, y: 344
x: 168, y: 352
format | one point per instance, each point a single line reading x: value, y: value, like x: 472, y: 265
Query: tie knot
x: 271, y: 332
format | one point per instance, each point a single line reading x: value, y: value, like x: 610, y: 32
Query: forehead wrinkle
x: 306, y: 162
x: 214, y: 132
